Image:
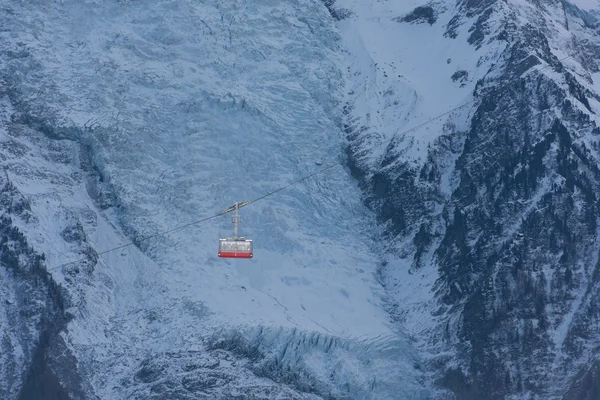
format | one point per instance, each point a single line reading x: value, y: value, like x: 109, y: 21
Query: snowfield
x: 143, y: 118
x: 408, y: 79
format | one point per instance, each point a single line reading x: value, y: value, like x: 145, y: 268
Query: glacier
x: 122, y: 120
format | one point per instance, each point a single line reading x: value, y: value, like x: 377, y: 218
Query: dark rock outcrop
x: 516, y: 241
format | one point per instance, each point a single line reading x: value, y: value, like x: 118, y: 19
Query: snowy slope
x: 491, y: 208
x: 587, y: 5
x: 411, y: 83
x: 402, y: 75
x: 168, y: 113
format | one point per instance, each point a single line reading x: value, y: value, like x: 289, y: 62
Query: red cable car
x: 235, y: 247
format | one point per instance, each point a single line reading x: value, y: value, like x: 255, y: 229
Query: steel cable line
x: 319, y: 171
x: 180, y: 227
x: 468, y: 102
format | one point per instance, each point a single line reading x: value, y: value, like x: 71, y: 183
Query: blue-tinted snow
x: 186, y: 107
x: 400, y: 77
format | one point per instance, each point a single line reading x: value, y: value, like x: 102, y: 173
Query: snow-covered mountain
x: 123, y: 119
x: 473, y: 128
x: 464, y: 264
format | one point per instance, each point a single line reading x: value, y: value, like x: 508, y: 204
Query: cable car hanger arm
x: 236, y: 205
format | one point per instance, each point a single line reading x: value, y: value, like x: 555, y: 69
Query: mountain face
x: 473, y: 128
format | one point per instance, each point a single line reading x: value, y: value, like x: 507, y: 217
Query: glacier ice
x: 142, y: 118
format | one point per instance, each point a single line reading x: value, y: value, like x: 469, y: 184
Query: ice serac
x: 124, y: 119
x: 492, y: 206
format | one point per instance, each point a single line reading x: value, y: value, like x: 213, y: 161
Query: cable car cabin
x: 235, y: 248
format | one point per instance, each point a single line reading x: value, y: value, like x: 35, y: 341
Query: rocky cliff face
x: 36, y: 362
x: 37, y: 359
x: 497, y: 226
